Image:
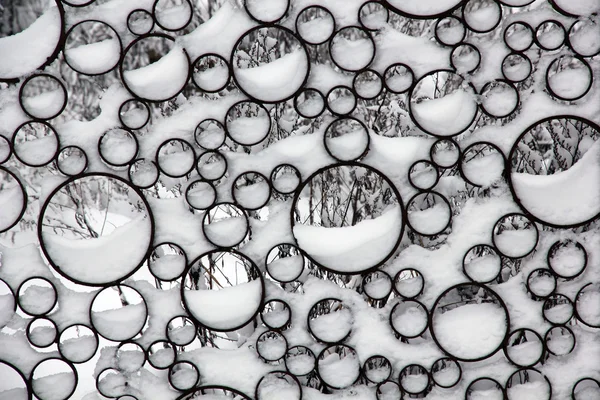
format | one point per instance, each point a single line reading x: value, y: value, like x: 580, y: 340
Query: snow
x: 11, y: 200
x: 168, y: 266
x: 484, y: 169
x: 300, y: 364
x: 485, y: 17
x: 529, y: 391
x: 414, y: 383
x: 267, y: 10
x: 395, y: 145
x: 213, y: 78
x: 225, y: 308
x: 226, y: 232
x: 45, y: 105
x: 37, y: 298
x: 470, y: 331
x: 351, y: 249
x: 571, y: 83
x: 430, y: 220
x: 448, y: 115
x: 331, y: 327
x: 409, y: 319
x: 103, y: 259
x: 588, y: 305
x: 581, y: 7
x: 424, y: 7
x: 286, y: 269
x: 249, y: 130
x: 516, y: 243
x: 349, y: 145
x: 162, y: 79
x: 173, y: 17
x: 500, y: 100
x: 564, y: 198
x: 352, y: 54
x: 316, y: 30
x: 276, y: 80
x: 79, y: 348
x: 120, y: 323
x: 339, y: 371
x: 94, y: 58
x: 276, y: 319
x: 29, y: 49
x: 55, y: 386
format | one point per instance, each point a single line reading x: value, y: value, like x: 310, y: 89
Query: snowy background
x: 299, y: 199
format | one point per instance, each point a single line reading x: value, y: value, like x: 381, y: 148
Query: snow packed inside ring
x: 72, y: 160
x: 271, y: 346
x: 442, y: 103
x: 96, y: 229
x: 167, y: 261
x: 559, y: 340
x: 446, y: 372
x: 37, y: 296
x: 211, y: 73
x: 34, y: 47
x: 377, y: 369
x: 482, y: 164
x: 140, y: 22
x: 278, y: 385
x: 276, y: 314
x: 222, y: 290
x: 183, y: 375
x: 338, y: 366
x: 35, y: 143
x: 348, y: 218
x: 13, y: 199
x: 373, y: 15
x: 450, y: 30
x: 527, y: 382
x: 423, y: 9
x: 161, y: 354
x: 300, y: 360
x: 225, y: 225
x: 267, y: 11
x: 41, y: 332
x: 330, y: 321
x: 352, y: 48
x: 270, y: 63
x: 14, y: 385
x: 96, y: 52
x: 315, y: 24
x: 53, y: 379
x: 161, y: 75
x: 347, y: 139
x: 515, y: 235
x: 482, y: 264
x: 541, y: 283
x: 285, y: 262
x: 486, y: 388
x: 43, y: 96
x: 172, y: 16
x: 524, y: 347
x: 469, y: 322
x: 209, y: 392
x: 546, y: 171
x: 415, y: 379
x: 78, y: 343
x: 118, y: 313
x: 377, y: 285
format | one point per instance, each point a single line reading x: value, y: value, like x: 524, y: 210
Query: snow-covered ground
x: 478, y: 150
